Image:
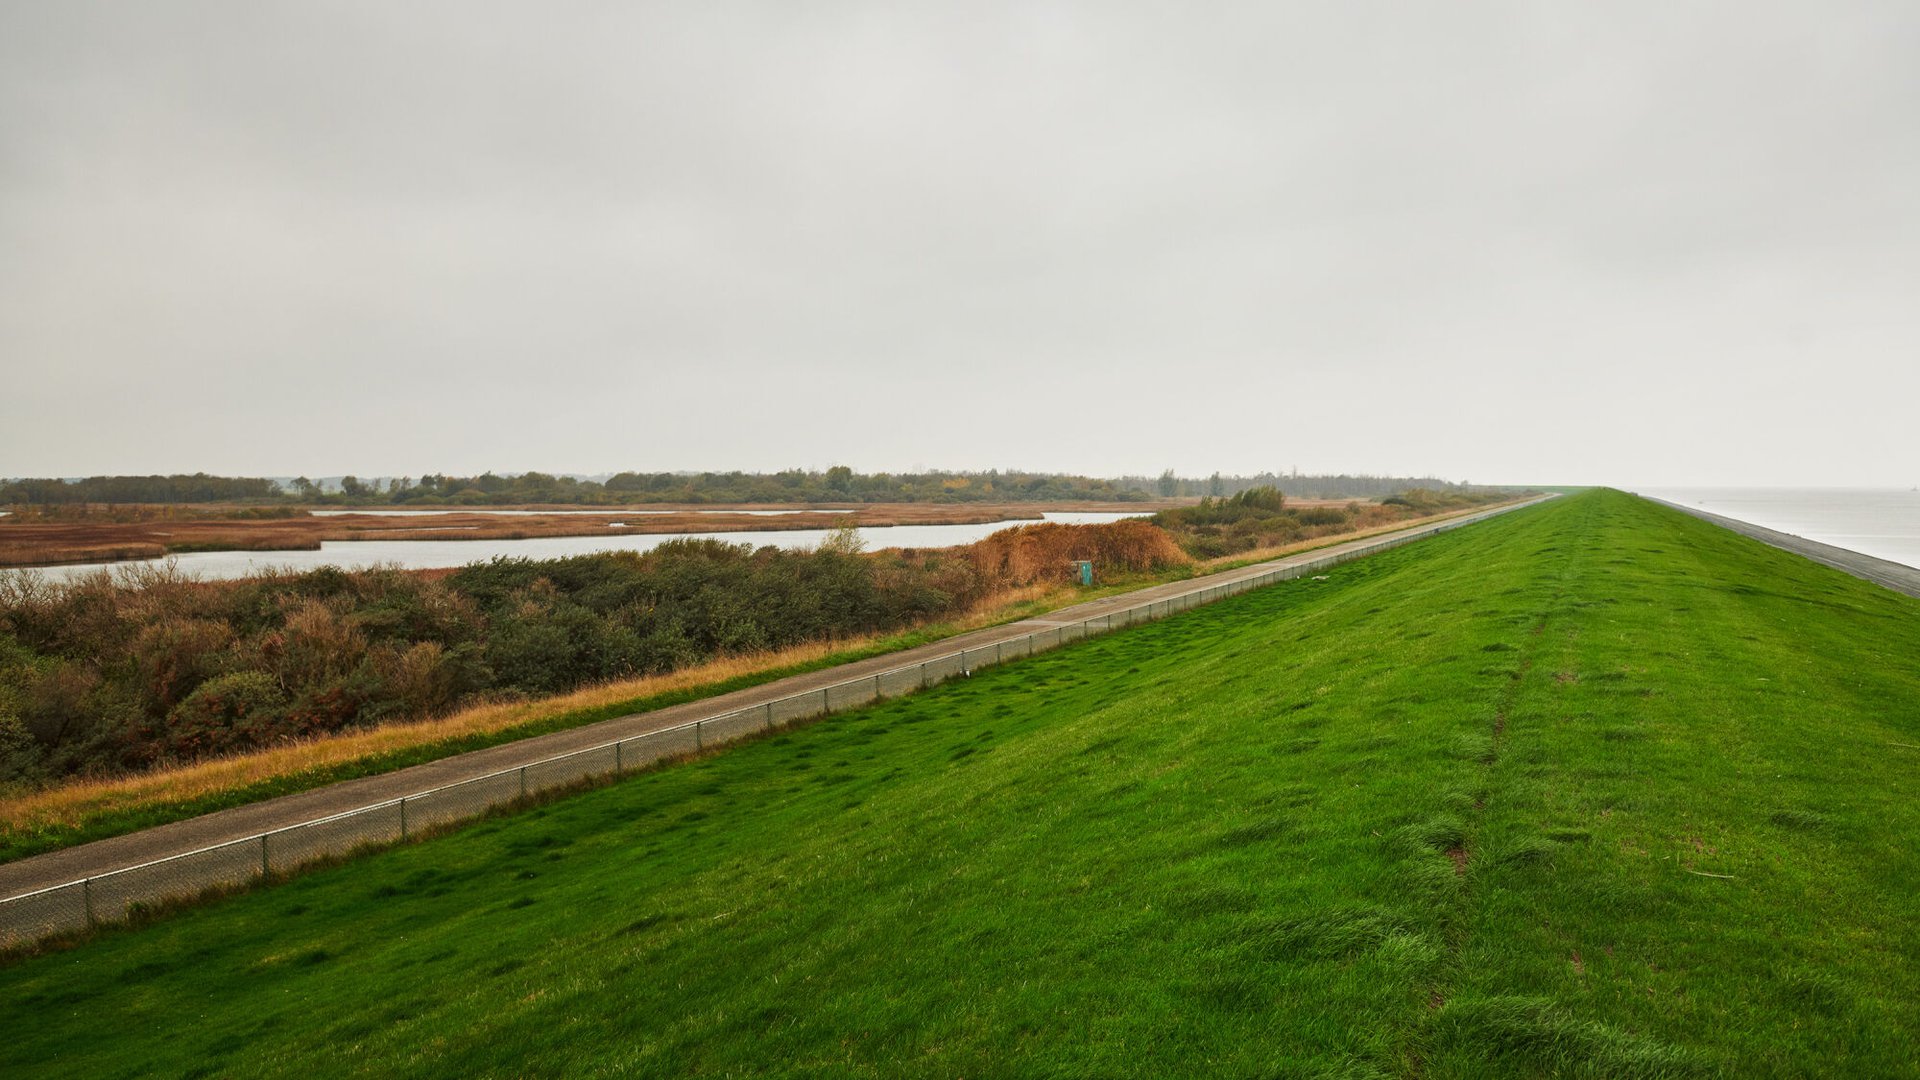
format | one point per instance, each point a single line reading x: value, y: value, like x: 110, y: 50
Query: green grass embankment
x: 1594, y: 789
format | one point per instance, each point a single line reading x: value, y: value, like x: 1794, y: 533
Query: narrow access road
x: 239, y: 822
x: 1899, y: 577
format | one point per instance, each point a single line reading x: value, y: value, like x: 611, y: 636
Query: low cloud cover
x: 1629, y: 243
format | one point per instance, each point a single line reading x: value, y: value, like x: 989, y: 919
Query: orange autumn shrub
x: 1047, y: 552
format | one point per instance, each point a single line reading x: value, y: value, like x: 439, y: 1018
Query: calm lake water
x: 1882, y: 522
x: 427, y: 554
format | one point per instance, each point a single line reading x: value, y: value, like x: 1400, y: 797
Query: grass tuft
x: 1534, y: 1036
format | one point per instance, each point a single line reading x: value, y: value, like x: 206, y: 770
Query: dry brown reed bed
x: 1325, y: 538
x: 53, y: 554
x: 1049, y: 550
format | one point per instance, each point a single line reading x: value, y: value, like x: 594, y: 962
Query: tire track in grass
x: 1463, y: 853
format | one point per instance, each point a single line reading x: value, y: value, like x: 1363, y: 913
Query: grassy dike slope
x: 1446, y: 814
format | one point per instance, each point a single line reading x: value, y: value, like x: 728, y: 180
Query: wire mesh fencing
x: 120, y: 894
x: 289, y: 849
x: 124, y: 893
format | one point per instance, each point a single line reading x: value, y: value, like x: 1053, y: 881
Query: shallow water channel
x: 428, y: 554
x: 604, y: 510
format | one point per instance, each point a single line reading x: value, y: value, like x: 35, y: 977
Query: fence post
x: 769, y: 716
x: 616, y: 767
x: 263, y: 856
x: 697, y: 742
x: 876, y: 688
x: 826, y: 702
x: 923, y: 674
x: 403, y: 803
x: 86, y: 900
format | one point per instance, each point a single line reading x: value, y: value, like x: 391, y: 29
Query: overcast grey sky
x: 1631, y: 243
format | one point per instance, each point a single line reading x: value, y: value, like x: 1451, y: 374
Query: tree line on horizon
x: 839, y: 484
x: 1298, y: 485
x: 836, y: 484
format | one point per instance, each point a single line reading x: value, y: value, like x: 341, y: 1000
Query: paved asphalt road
x: 1896, y: 576
x: 133, y: 849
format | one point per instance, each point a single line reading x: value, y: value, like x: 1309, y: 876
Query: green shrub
x: 1321, y: 515
x: 225, y: 713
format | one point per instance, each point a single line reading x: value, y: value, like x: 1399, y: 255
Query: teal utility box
x: 1086, y: 570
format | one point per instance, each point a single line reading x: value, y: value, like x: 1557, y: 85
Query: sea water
x: 1882, y: 522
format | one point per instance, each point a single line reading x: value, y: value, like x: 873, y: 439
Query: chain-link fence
x: 114, y: 896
